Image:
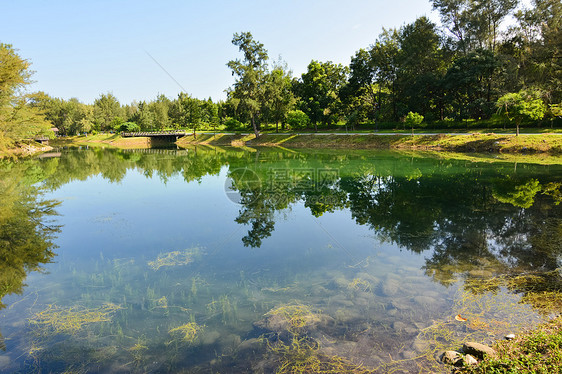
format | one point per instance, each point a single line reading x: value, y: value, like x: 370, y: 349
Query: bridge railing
x: 153, y: 133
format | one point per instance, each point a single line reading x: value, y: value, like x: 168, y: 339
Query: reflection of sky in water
x: 113, y: 230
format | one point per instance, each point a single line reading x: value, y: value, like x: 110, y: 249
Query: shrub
x: 127, y: 127
x: 233, y: 124
x: 297, y: 119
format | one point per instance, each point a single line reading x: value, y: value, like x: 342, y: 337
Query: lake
x: 265, y: 260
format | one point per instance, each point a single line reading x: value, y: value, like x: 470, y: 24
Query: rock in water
x: 452, y: 358
x: 510, y: 337
x: 478, y: 350
x: 470, y: 360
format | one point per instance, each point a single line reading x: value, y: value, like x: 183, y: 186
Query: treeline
x: 472, y: 69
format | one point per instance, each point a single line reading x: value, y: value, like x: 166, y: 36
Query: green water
x: 211, y: 260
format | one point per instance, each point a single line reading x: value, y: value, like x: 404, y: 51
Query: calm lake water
x: 237, y: 260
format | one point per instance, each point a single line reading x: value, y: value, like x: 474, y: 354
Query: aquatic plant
x: 61, y: 320
x: 296, y: 316
x: 175, y: 258
x: 302, y: 355
x: 476, y: 316
x: 359, y: 284
x: 187, y: 332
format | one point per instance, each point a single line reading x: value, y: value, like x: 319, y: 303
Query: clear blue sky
x: 85, y: 48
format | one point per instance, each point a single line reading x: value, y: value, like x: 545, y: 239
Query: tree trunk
x: 277, y: 126
x: 256, y: 131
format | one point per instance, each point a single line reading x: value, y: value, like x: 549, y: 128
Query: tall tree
x: 318, y: 90
x: 106, y: 108
x: 250, y: 73
x: 279, y: 98
x: 421, y: 67
x: 384, y: 56
x: 18, y: 119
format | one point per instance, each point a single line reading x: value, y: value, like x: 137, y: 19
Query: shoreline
x: 544, y: 148
x: 470, y: 143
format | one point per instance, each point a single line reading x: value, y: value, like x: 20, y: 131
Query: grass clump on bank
x: 537, y: 351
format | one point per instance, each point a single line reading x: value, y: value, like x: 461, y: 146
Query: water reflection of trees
x: 477, y: 219
x: 26, y: 233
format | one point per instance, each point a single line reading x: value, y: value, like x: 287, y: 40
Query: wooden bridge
x: 163, y: 135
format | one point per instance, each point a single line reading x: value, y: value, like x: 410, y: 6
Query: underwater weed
x: 175, y: 258
x: 358, y: 284
x: 297, y: 316
x: 60, y: 320
x: 302, y: 355
x: 188, y: 332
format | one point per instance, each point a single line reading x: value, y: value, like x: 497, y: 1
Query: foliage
x: 18, y: 119
x: 233, y: 124
x: 26, y: 233
x: 127, y: 127
x: 298, y: 119
x: 318, y: 90
x: 536, y: 351
x: 251, y: 74
x: 522, y: 105
x: 106, y: 109
x: 413, y: 119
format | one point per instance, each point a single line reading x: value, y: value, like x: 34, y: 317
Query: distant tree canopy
x: 447, y: 73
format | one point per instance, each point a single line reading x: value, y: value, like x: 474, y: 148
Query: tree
x: 106, y: 108
x: 18, y: 119
x: 279, y: 98
x: 421, y: 67
x: 413, y: 119
x: 384, y: 56
x: 160, y: 108
x: 469, y: 84
x: 144, y: 117
x: 319, y: 89
x: 522, y: 105
x: 250, y: 73
x: 297, y: 119
x: 359, y: 95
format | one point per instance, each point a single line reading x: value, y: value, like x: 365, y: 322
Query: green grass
x: 537, y: 351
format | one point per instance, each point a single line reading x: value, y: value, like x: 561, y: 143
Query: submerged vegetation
x: 175, y: 258
x: 187, y: 332
x: 327, y: 303
x: 61, y: 320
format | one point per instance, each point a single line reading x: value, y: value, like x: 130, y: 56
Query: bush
x: 297, y: 119
x: 127, y: 127
x: 413, y: 119
x: 233, y: 124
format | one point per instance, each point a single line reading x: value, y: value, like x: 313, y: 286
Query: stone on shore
x: 478, y: 350
x: 452, y: 358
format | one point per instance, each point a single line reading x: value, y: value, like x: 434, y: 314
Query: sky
x: 139, y: 49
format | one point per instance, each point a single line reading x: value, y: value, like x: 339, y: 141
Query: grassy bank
x: 481, y: 143
x: 104, y: 140
x: 536, y: 351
